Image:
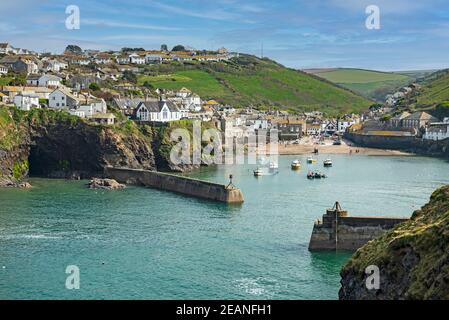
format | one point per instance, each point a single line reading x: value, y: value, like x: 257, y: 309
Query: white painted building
x: 437, y: 130
x: 5, y: 48
x: 157, y: 111
x: 26, y: 101
x: 3, y: 69
x: 153, y: 59
x: 343, y: 124
x: 49, y: 80
x: 55, y: 65
x: 136, y: 59
x: 62, y: 99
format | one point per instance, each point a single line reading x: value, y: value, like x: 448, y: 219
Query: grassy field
x: 369, y: 83
x: 249, y: 81
x: 199, y: 81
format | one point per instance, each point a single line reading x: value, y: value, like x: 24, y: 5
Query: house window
x: 57, y: 104
x: 165, y: 114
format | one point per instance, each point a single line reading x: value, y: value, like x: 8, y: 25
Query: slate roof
x: 156, y: 106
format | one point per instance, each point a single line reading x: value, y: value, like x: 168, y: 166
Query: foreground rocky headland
x: 54, y: 144
x: 413, y: 258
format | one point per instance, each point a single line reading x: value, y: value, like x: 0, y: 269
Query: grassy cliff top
x: 250, y: 81
x: 369, y: 83
x: 434, y: 91
x: 414, y: 256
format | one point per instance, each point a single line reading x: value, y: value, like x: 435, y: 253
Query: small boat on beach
x: 296, y: 165
x: 311, y: 160
x: 327, y: 163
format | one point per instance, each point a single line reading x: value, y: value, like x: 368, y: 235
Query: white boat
x: 327, y: 163
x: 296, y: 165
x: 258, y: 172
x: 311, y: 160
x: 273, y: 165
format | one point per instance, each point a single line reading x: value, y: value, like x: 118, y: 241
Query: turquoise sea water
x: 141, y: 243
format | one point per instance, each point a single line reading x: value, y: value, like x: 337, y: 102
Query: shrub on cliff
x: 413, y: 258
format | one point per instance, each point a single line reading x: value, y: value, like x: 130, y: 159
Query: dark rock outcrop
x: 108, y: 184
x: 413, y: 258
x: 82, y: 150
x: 54, y: 144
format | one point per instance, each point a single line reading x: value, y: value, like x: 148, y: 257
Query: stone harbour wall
x: 348, y: 233
x: 170, y: 182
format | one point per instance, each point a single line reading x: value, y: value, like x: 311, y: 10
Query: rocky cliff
x: 413, y: 258
x: 55, y: 144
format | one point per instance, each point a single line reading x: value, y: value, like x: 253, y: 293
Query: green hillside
x: 434, y: 91
x: 249, y: 81
x: 372, y: 84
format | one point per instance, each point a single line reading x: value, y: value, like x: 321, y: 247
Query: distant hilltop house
x: 5, y: 48
x: 157, y: 111
x: 103, y: 58
x: 136, y: 58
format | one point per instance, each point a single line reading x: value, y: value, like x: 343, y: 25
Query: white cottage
x: 136, y: 59
x: 3, y: 69
x: 62, y: 99
x: 49, y: 80
x: 26, y: 101
x: 157, y: 111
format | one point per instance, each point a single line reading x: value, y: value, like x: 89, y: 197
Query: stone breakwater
x: 337, y: 230
x: 170, y: 182
x: 407, y: 144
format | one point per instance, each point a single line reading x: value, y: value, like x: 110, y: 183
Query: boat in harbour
x: 311, y: 160
x: 296, y: 165
x: 327, y: 163
x: 258, y: 172
x: 315, y: 175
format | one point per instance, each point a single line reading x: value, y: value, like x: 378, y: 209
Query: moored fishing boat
x: 311, y: 160
x: 258, y: 172
x: 296, y: 165
x: 327, y: 163
x: 315, y: 175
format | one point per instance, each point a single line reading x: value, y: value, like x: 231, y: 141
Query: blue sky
x: 414, y: 34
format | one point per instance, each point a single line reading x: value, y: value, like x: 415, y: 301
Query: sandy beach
x: 307, y: 145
